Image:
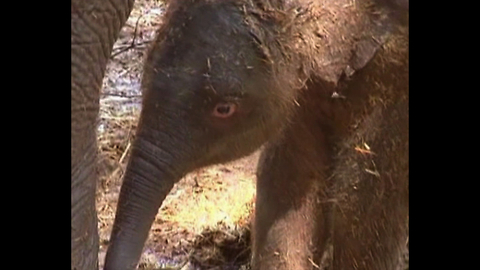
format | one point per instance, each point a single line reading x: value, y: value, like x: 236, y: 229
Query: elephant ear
x: 345, y: 54
x: 367, y: 46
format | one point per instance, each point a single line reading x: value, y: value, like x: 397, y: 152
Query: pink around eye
x: 224, y: 109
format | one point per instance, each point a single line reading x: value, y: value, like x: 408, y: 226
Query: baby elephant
x: 322, y: 84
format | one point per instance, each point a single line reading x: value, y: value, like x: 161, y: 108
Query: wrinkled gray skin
x: 95, y: 25
x: 323, y: 84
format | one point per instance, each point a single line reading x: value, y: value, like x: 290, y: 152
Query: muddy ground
x: 204, y: 222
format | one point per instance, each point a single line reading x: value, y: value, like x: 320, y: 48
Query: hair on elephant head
x: 225, y: 77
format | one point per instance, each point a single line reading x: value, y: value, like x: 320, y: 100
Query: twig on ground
x: 124, y: 153
x: 132, y: 45
x: 125, y: 118
x: 121, y: 95
x: 125, y: 46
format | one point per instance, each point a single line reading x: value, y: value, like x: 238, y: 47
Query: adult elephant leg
x: 95, y: 25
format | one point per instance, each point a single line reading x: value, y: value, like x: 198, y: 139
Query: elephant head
x: 208, y: 97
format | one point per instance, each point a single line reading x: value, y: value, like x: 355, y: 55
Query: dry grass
x: 203, y: 203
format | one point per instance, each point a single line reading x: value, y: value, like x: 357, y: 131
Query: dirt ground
x: 204, y: 222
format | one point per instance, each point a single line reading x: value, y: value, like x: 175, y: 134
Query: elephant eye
x: 224, y: 109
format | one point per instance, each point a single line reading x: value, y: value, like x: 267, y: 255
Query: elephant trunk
x: 148, y: 179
